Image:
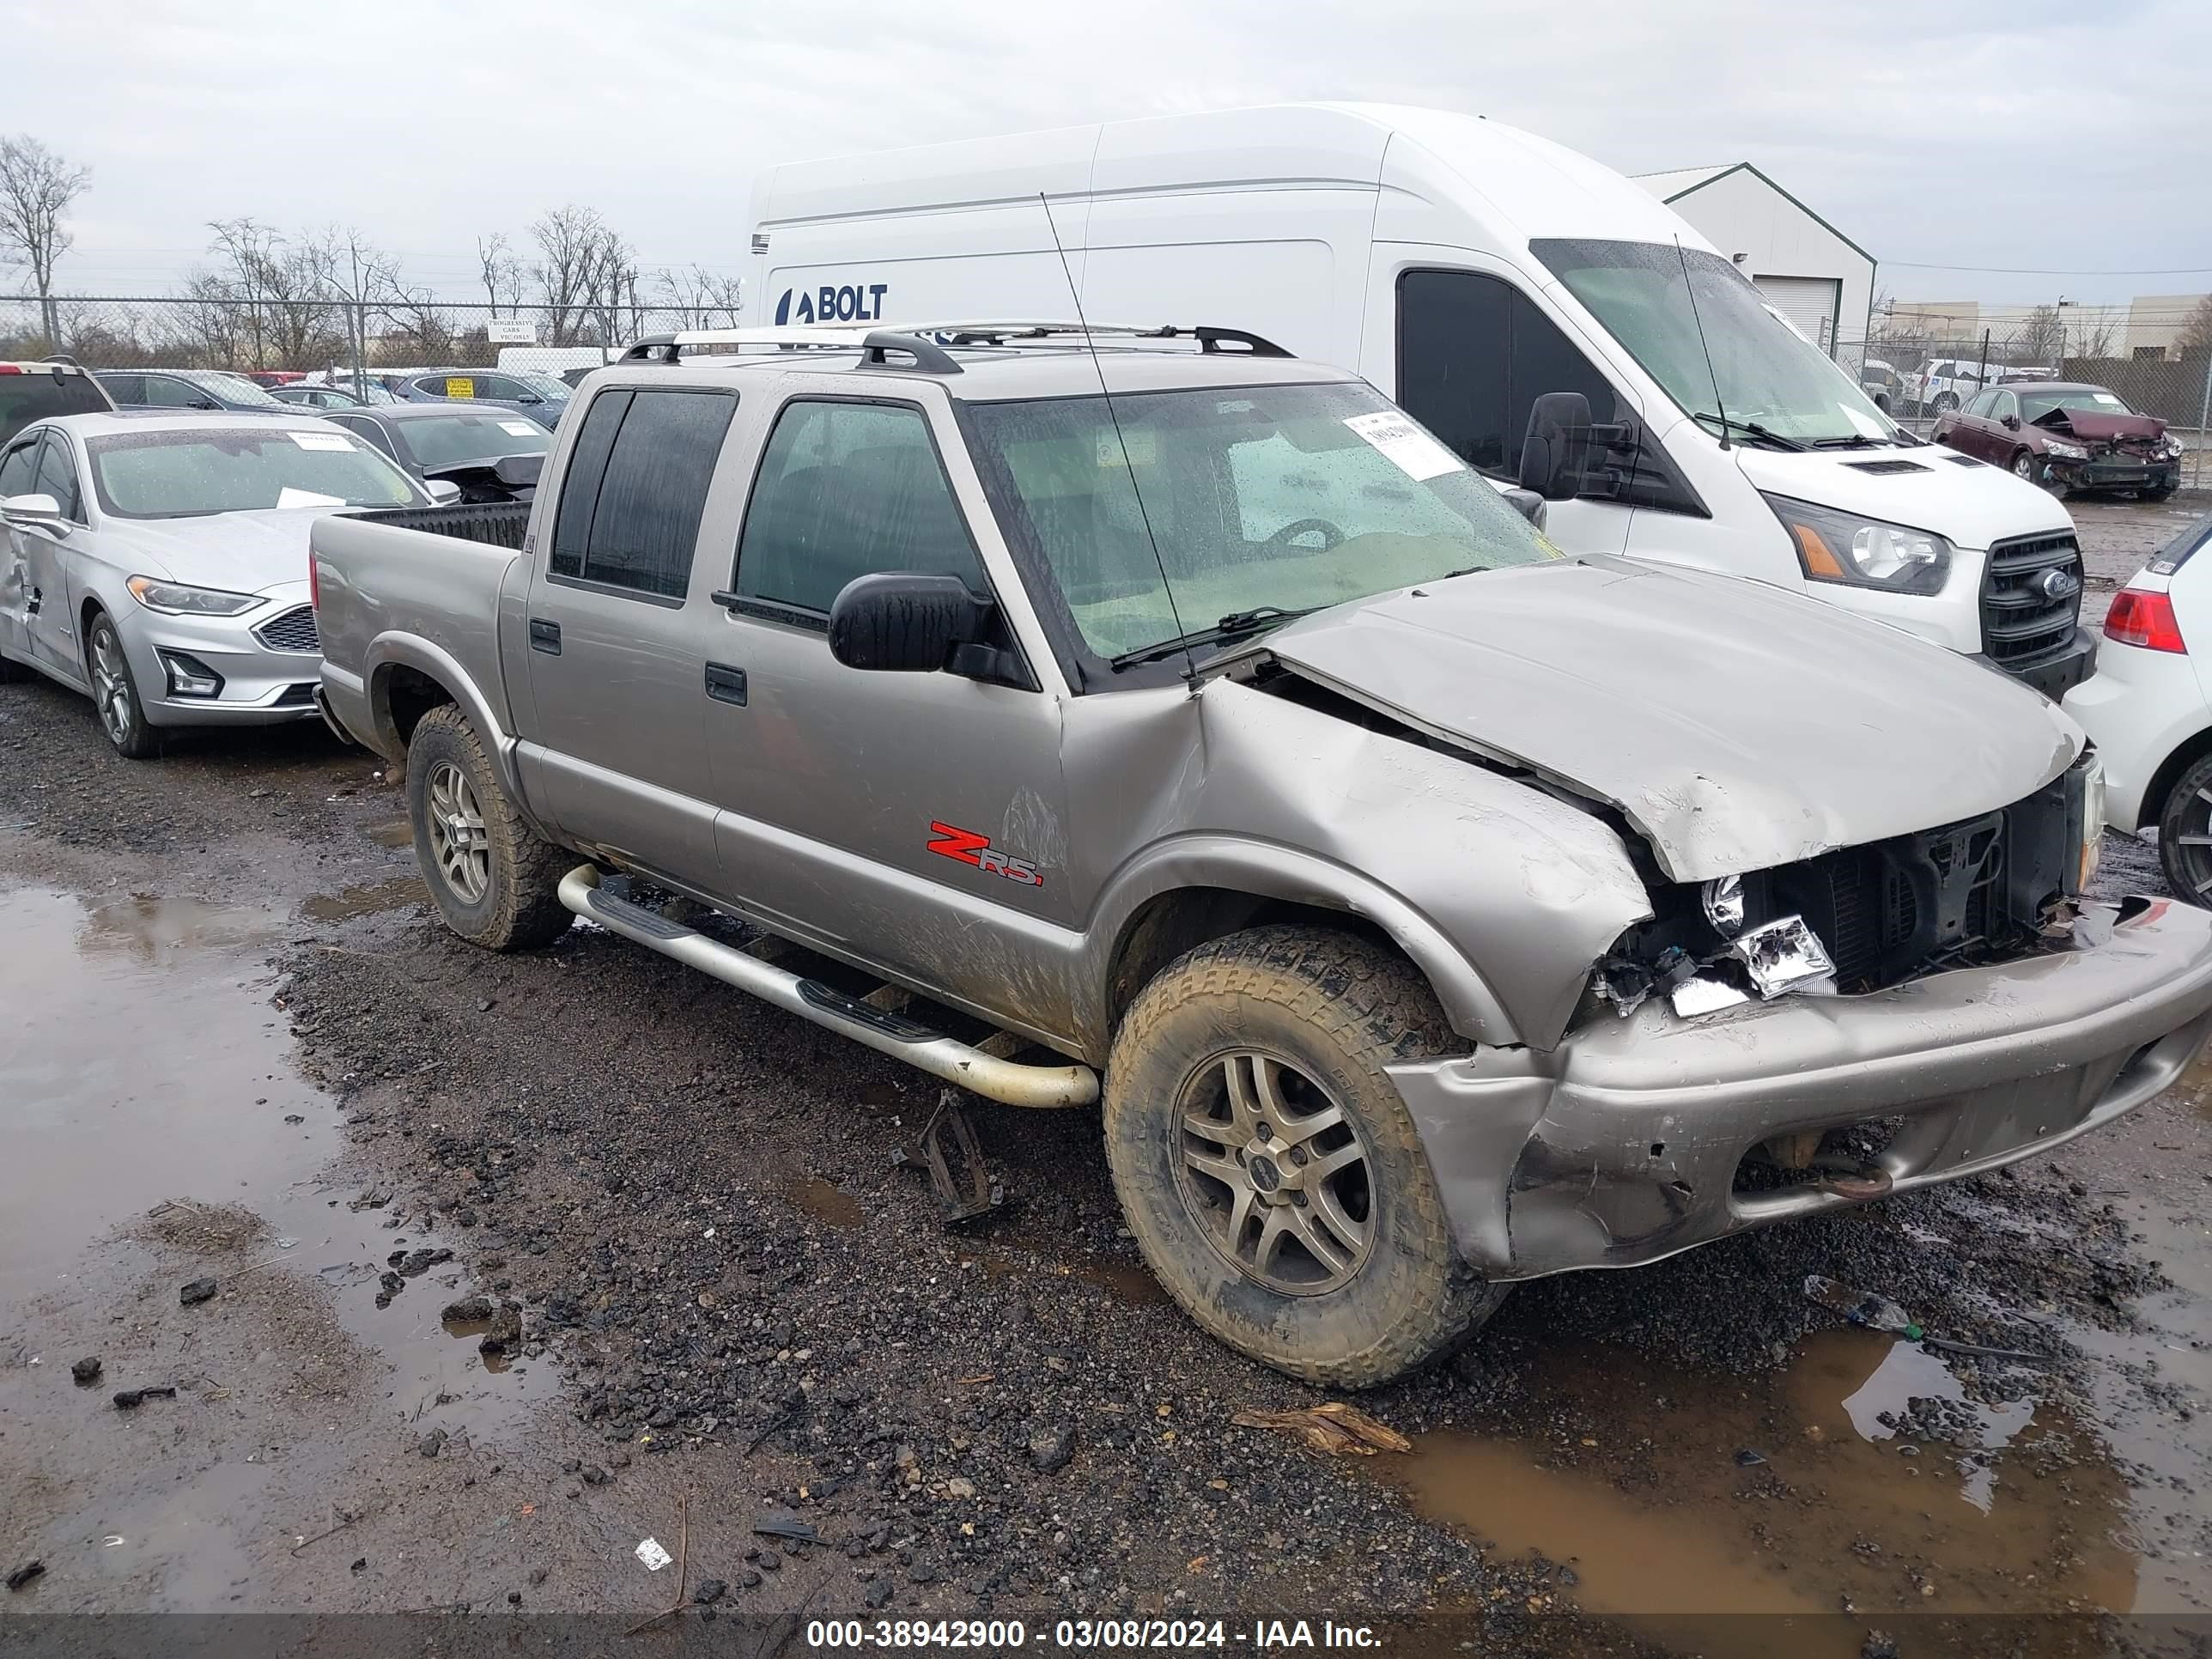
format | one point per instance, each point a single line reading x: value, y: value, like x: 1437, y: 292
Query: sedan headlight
x: 2064, y: 452
x: 1841, y: 547
x: 176, y: 599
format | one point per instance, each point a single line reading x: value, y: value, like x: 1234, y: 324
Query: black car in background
x: 492, y: 452
x: 187, y: 388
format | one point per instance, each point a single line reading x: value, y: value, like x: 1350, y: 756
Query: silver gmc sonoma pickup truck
x: 1438, y: 912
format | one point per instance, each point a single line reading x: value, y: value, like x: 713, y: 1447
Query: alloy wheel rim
x: 1275, y: 1173
x: 111, y: 685
x: 2023, y: 467
x: 2194, y: 843
x: 459, y: 844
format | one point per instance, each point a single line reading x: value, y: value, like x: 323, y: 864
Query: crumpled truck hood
x: 1735, y: 726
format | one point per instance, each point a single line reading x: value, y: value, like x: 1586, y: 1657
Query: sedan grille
x: 292, y: 631
x: 2031, y: 601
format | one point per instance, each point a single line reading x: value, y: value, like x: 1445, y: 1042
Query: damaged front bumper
x: 1638, y: 1138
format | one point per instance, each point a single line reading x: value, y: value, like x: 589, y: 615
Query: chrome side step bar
x: 982, y: 1069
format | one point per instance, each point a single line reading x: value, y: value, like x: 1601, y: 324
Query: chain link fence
x: 289, y: 336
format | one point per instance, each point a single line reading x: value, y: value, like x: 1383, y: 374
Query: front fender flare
x: 1269, y: 871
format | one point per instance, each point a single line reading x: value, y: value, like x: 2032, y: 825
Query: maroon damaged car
x: 2068, y: 436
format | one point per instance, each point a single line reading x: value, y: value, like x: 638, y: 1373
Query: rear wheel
x: 2185, y: 835
x: 495, y: 882
x: 1268, y: 1168
x: 115, y: 693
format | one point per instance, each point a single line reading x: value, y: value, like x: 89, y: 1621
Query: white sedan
x: 2148, y: 708
x: 158, y: 562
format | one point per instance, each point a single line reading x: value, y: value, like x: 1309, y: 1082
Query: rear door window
x: 847, y: 489
x: 1474, y: 355
x: 637, y: 489
x: 163, y: 392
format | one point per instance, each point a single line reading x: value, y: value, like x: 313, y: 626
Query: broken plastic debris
x: 1878, y: 1313
x: 653, y: 1555
x: 1783, y: 956
x: 1334, y: 1427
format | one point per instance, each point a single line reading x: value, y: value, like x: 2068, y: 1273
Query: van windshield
x: 1276, y: 500
x: 1708, y: 337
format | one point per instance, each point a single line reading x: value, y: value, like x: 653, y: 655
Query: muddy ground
x: 240, y: 1048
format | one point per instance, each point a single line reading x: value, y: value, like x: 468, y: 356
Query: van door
x: 616, y: 643
x: 1468, y: 355
x: 914, y: 822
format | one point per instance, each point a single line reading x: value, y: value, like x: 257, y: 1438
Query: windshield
x: 446, y: 439
x: 179, y: 475
x: 2093, y: 399
x: 232, y: 388
x: 1293, y: 497
x: 1761, y: 371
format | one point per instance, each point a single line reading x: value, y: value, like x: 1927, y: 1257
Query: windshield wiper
x: 1235, y: 625
x: 1750, y: 428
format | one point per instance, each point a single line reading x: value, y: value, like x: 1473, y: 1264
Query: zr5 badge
x: 971, y: 848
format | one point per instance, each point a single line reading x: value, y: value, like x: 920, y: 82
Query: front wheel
x: 2025, y: 466
x: 494, y: 881
x: 1267, y: 1166
x: 2185, y: 835
x: 115, y: 693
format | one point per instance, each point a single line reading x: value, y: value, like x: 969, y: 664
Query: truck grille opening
x: 2024, y: 625
x: 294, y: 630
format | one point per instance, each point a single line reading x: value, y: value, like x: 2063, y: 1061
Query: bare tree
x: 2041, y: 336
x: 280, y: 285
x: 700, y: 298
x: 36, y: 189
x: 585, y: 270
x: 2194, y: 339
x: 501, y: 272
x: 2094, y: 339
x: 362, y: 278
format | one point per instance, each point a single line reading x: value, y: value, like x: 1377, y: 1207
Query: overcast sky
x: 2028, y: 134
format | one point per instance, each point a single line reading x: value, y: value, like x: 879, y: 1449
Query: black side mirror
x: 530, y: 397
x: 1527, y: 502
x: 1555, y: 454
x: 519, y: 471
x: 908, y: 623
x: 2012, y: 423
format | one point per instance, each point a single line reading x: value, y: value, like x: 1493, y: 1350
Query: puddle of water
x: 824, y: 1201
x: 393, y: 832
x: 1662, y: 1523
x: 2195, y: 1085
x: 369, y: 899
x: 137, y: 1062
x: 1128, y: 1282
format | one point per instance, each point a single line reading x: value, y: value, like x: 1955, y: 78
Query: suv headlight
x: 1841, y: 547
x: 178, y: 600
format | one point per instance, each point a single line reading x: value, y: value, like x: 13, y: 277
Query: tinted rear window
x: 27, y: 397
x: 637, y: 489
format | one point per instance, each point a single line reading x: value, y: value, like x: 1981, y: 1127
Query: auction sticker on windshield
x: 518, y: 428
x: 321, y: 440
x: 1408, y: 448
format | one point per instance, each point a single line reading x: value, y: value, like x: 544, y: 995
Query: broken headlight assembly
x: 1841, y: 547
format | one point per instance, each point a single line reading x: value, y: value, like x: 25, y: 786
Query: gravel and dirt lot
x: 519, y: 1262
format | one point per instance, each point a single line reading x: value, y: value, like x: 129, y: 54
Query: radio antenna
x: 1719, y: 408
x: 1174, y: 615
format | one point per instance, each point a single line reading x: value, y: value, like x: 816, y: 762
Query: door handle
x: 545, y: 636
x: 726, y: 684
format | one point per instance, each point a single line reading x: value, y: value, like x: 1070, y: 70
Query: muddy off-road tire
x: 1268, y: 1167
x: 494, y: 881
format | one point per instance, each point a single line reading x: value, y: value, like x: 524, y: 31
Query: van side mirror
x: 1555, y: 453
x: 904, y: 623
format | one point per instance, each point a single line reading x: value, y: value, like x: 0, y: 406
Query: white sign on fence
x: 512, y: 331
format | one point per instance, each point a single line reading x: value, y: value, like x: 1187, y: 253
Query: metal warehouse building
x: 1810, y: 271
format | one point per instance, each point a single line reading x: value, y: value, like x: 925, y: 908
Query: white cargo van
x: 1466, y: 269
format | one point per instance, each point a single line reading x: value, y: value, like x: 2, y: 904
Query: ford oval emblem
x: 2059, y: 583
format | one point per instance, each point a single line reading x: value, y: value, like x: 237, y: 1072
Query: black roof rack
x: 929, y: 357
